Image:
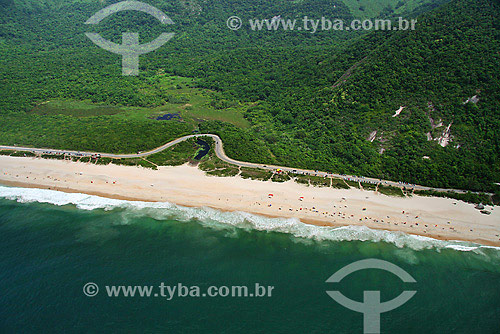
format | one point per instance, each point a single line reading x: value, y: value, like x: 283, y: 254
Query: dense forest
x: 318, y: 101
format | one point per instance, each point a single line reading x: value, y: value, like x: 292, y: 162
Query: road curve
x: 219, y: 151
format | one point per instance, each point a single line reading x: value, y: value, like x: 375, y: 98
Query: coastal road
x: 219, y: 151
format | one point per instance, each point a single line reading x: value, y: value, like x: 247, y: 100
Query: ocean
x: 53, y: 244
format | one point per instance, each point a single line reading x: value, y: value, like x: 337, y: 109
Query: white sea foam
x: 463, y: 248
x: 222, y: 220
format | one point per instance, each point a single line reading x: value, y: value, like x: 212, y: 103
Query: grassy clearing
x: 134, y: 162
x: 390, y: 191
x: 17, y: 153
x: 84, y: 125
x: 318, y: 181
x: 283, y: 177
x: 212, y: 165
x: 75, y: 108
x: 369, y: 186
x: 352, y: 184
x: 300, y: 179
x: 195, y: 105
x: 176, y: 155
x: 256, y: 174
x: 339, y: 184
x: 53, y: 156
x: 104, y: 161
x: 23, y: 154
x: 468, y: 197
x: 224, y: 172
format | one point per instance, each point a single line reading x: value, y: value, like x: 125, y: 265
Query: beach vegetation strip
x: 318, y: 181
x: 256, y: 173
x: 280, y: 177
x: 17, y: 153
x: 469, y: 197
x: 177, y: 155
x: 390, y: 191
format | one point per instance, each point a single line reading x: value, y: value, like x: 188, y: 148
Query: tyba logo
x: 371, y: 307
x: 130, y: 49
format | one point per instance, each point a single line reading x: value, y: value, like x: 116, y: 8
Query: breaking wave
x: 219, y: 219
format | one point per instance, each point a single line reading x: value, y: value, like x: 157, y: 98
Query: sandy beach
x: 439, y: 218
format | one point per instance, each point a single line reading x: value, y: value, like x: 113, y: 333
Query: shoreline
x: 437, y: 218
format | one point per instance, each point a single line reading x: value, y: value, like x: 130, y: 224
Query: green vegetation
x: 368, y: 186
x: 302, y: 179
x: 376, y: 8
x: 214, y: 166
x: 256, y: 174
x: 317, y: 181
x: 213, y: 163
x: 286, y: 98
x: 134, y: 162
x: 180, y: 97
x: 176, y: 155
x: 280, y: 177
x: 353, y: 184
x: 17, y: 153
x: 390, y: 191
x: 111, y: 134
x: 224, y: 172
x: 22, y: 154
x: 339, y: 184
x: 324, y: 124
x: 104, y: 161
x: 53, y: 156
x: 496, y: 198
x: 468, y: 197
x: 195, y: 105
x: 75, y: 108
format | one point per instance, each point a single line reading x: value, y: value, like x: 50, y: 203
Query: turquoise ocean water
x: 52, y: 244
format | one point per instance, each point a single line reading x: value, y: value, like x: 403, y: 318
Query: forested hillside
x: 447, y: 76
x: 381, y: 8
x: 319, y: 101
x: 446, y: 72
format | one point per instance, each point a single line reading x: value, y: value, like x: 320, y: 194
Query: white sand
x: 189, y: 186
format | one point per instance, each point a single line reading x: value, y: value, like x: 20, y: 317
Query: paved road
x: 219, y: 151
